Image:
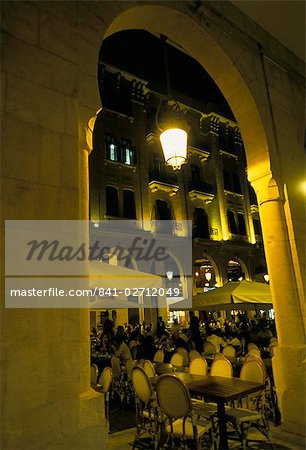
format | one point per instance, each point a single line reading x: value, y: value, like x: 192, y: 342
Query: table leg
x: 223, y: 444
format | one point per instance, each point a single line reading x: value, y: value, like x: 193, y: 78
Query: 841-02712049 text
x: 153, y: 292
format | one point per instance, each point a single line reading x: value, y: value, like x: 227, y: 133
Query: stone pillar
x: 218, y: 168
x: 289, y: 356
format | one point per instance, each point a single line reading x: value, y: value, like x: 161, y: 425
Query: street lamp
x: 173, y: 135
x: 169, y: 275
x: 208, y: 276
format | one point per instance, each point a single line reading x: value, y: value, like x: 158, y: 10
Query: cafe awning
x: 121, y: 283
x: 242, y: 295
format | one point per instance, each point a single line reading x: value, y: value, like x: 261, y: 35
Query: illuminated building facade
x: 129, y: 179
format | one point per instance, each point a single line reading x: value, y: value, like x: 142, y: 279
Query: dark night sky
x: 141, y: 53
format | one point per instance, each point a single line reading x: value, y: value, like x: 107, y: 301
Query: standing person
x: 160, y: 327
x: 195, y: 334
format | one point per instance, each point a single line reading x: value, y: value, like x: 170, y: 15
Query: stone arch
x: 243, y: 266
x: 204, y: 47
x: 215, y: 267
x: 233, y: 69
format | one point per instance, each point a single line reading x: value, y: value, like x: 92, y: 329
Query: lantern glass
x: 174, y: 145
x: 169, y: 275
x: 208, y: 276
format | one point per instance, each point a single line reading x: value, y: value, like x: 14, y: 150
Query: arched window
x: 129, y: 208
x: 241, y: 224
x: 200, y: 224
x: 112, y: 203
x: 231, y: 222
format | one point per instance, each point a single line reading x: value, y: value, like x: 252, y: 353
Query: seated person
x: 217, y: 340
x: 121, y: 349
x: 106, y: 348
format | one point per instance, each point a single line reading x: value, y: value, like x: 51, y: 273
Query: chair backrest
x: 251, y: 345
x: 252, y: 370
x: 105, y: 379
x: 141, y: 384
x: 221, y: 367
x: 159, y: 356
x: 93, y: 374
x: 255, y: 351
x: 209, y: 348
x: 173, y: 396
x: 198, y: 366
x: 177, y: 360
x: 129, y: 365
x: 219, y: 355
x: 182, y: 351
x: 149, y: 368
x: 115, y: 363
x: 251, y: 356
x: 229, y: 350
x: 193, y: 354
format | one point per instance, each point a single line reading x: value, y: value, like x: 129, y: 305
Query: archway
x: 223, y: 63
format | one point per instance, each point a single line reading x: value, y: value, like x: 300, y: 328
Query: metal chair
x: 182, y: 351
x: 105, y: 382
x: 229, y: 350
x: 221, y: 367
x: 198, y: 366
x: 177, y: 360
x: 129, y: 365
x: 146, y: 414
x: 242, y: 419
x: 118, y: 385
x: 159, y: 356
x: 175, y: 404
x: 93, y: 375
x: 149, y: 368
x: 209, y: 348
x: 193, y: 354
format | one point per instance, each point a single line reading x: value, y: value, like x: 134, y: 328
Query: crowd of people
x: 143, y: 340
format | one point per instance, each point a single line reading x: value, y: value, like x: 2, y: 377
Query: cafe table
x: 219, y: 390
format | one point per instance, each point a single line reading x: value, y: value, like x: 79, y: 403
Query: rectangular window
x: 128, y: 156
x: 110, y: 148
x: 112, y: 152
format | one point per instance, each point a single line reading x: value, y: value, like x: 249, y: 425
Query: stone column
x: 218, y: 168
x: 289, y: 356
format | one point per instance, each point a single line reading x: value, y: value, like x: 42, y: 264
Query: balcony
x: 201, y: 191
x: 163, y: 181
x: 202, y: 152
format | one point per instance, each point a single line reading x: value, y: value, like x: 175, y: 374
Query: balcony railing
x: 163, y: 177
x: 201, y: 186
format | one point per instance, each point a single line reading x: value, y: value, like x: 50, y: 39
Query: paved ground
x: 282, y: 441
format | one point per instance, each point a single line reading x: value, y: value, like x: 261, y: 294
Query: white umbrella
x: 233, y: 295
x: 119, y: 283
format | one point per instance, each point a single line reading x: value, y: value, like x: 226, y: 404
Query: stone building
x: 49, y: 104
x: 128, y: 177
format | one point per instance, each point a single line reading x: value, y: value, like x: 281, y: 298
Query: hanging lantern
x: 169, y: 275
x: 174, y: 145
x: 208, y: 276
